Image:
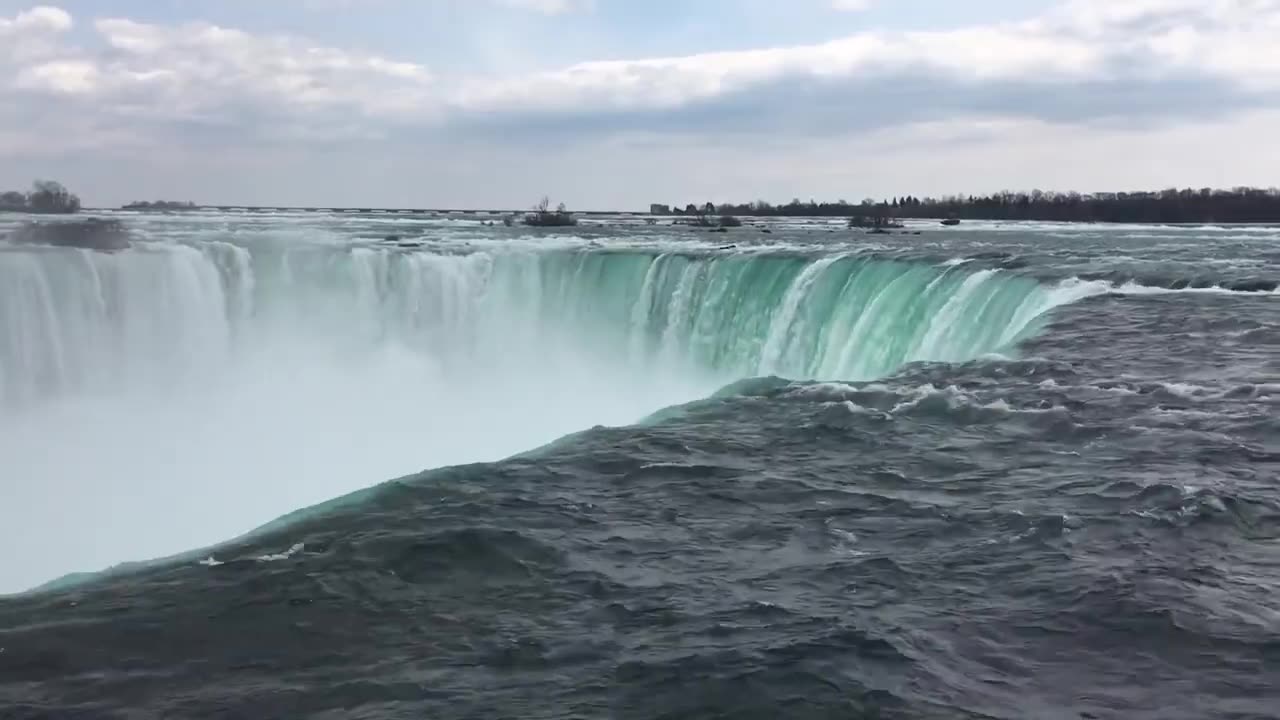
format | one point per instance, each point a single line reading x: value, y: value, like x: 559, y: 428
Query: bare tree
x: 543, y: 216
x: 13, y: 201
x: 48, y: 196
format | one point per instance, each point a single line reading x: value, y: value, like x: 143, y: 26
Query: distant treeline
x: 161, y: 205
x: 1207, y: 205
x: 45, y: 196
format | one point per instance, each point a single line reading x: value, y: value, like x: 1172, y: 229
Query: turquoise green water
x: 746, y: 315
x: 708, y: 318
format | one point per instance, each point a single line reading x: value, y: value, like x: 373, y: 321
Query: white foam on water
x: 1131, y: 288
x: 287, y: 554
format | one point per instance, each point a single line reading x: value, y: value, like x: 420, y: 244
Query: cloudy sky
x: 612, y: 104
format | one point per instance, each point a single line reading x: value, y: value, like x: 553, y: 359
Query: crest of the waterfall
x: 75, y: 321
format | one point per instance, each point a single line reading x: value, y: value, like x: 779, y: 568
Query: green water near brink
x: 79, y: 321
x: 748, y: 315
x: 729, y: 316
x: 710, y: 318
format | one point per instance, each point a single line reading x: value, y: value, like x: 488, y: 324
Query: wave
x: 1131, y: 283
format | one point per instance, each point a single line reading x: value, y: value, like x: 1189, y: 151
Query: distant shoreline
x: 29, y: 211
x: 1205, y: 206
x: 1189, y: 207
x: 495, y: 213
x: 1171, y: 206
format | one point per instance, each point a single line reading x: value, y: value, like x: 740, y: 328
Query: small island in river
x: 163, y: 205
x: 46, y: 197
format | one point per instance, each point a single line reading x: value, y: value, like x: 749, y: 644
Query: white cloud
x: 193, y: 69
x: 38, y: 19
x: 975, y: 55
x: 1085, y: 41
x: 72, y: 77
x: 32, y: 35
x: 850, y: 5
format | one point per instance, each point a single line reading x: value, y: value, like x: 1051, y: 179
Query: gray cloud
x: 817, y: 107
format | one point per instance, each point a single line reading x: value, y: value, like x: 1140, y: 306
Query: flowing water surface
x: 993, y: 471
